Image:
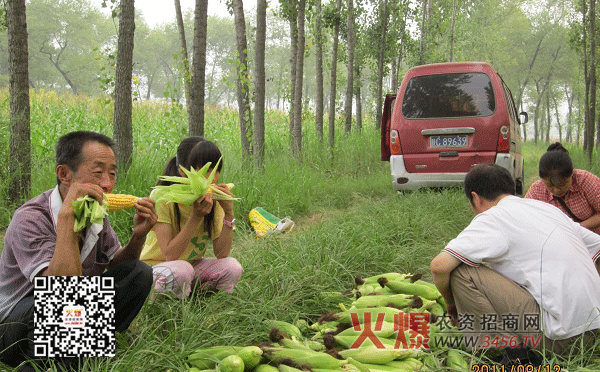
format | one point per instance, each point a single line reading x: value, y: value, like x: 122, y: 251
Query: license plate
x: 459, y: 140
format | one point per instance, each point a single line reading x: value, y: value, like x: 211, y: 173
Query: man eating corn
x: 40, y: 241
x: 540, y: 264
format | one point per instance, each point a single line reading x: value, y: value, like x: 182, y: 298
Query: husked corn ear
x: 229, y: 186
x: 120, y: 201
x: 372, y: 354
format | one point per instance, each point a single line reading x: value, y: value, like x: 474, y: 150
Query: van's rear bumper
x: 404, y: 181
x: 419, y: 180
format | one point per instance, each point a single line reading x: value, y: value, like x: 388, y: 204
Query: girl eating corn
x: 176, y: 247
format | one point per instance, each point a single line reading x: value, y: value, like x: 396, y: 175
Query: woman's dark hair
x: 193, y: 152
x: 69, y: 148
x: 557, y: 146
x: 556, y: 162
x: 489, y: 181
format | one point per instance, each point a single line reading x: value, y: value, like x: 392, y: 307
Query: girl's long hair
x: 193, y: 152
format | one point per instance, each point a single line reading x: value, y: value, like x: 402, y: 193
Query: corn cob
x: 436, y: 309
x: 331, y: 324
x: 412, y: 288
x: 300, y: 357
x: 286, y: 368
x: 232, y: 363
x: 425, y: 283
x: 265, y: 368
x: 345, y: 317
x: 314, y: 345
x: 354, y: 364
x: 387, y: 330
x: 399, y: 301
x: 208, y: 358
x: 117, y: 202
x: 282, y: 339
x: 347, y: 341
x: 390, y: 276
x: 285, y: 327
x: 366, y: 289
x: 372, y: 355
x: 251, y: 355
x: 410, y: 354
x: 407, y: 363
x: 385, y: 368
x: 442, y: 302
x: 211, y: 188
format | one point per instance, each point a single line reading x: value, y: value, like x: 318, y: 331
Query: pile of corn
x: 337, y: 341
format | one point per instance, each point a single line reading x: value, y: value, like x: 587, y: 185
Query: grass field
x: 349, y: 222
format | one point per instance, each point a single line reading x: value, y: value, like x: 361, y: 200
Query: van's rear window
x: 448, y: 95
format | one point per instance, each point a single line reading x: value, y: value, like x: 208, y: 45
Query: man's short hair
x: 69, y: 147
x: 489, y: 181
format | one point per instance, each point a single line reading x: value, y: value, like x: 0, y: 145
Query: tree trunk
x: 526, y: 81
x: 332, y: 90
x: 578, y: 133
x: 198, y: 81
x: 454, y: 9
x: 297, y: 148
x: 422, y: 39
x: 259, y: 83
x: 358, y: 99
x: 586, y: 77
x: 393, y: 79
x: 350, y: 86
x: 380, y: 61
x: 122, y: 127
x: 569, y: 134
x: 319, y: 78
x: 548, y: 118
x: 186, y: 64
x: 535, y: 112
x: 558, y: 124
x: 395, y: 84
x: 19, y: 166
x: 293, y: 65
x: 592, y: 117
x: 242, y: 81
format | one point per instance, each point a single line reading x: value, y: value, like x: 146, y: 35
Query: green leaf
x: 87, y: 211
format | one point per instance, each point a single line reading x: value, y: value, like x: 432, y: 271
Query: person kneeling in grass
x: 541, y: 288
x: 40, y: 241
x: 177, y: 245
x: 575, y: 191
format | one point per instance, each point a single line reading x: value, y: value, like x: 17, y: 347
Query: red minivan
x: 446, y: 118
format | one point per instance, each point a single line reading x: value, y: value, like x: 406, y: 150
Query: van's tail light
x: 395, y: 143
x: 503, y: 139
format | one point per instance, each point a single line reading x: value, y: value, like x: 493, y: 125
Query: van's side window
x: 512, y: 111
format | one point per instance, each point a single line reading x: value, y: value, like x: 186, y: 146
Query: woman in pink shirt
x: 575, y: 191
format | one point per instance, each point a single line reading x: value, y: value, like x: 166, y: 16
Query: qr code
x: 74, y: 316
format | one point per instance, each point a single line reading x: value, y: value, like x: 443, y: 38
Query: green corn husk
x: 186, y: 190
x: 87, y: 211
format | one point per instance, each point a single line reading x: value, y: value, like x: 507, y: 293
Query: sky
x: 156, y: 12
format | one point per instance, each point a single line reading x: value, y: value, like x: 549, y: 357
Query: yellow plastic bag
x: 265, y: 223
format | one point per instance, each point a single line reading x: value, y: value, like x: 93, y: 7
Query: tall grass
x: 349, y: 221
